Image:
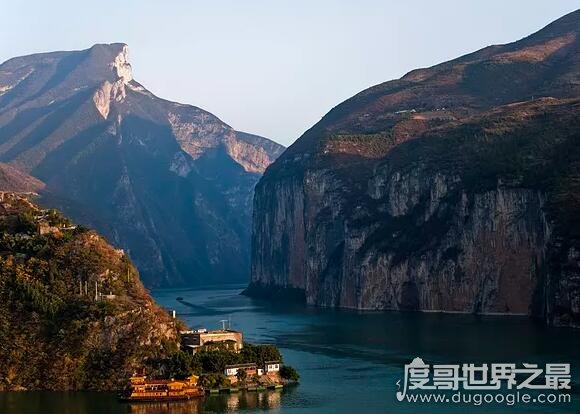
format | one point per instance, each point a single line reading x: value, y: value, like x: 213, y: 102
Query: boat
x: 142, y: 389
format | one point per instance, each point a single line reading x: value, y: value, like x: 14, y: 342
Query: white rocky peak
x: 122, y: 66
x: 115, y: 91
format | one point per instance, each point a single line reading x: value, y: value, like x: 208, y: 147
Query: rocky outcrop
x: 428, y: 193
x: 170, y: 182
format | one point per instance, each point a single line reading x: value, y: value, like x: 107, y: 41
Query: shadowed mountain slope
x: 170, y: 182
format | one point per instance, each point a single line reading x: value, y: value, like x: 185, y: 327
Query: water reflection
x: 222, y: 403
x: 107, y: 403
x: 185, y: 407
x: 244, y: 401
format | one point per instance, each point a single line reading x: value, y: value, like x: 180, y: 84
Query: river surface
x: 349, y: 361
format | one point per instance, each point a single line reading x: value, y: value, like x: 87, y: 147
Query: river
x: 349, y: 361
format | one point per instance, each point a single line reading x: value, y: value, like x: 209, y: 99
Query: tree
x: 260, y: 353
x: 205, y: 381
x: 215, y: 361
x: 213, y: 380
x: 180, y: 365
x: 289, y: 373
x: 241, y: 375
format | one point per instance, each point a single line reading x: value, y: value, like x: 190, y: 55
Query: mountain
x: 73, y: 312
x: 13, y: 180
x: 454, y: 188
x: 169, y: 182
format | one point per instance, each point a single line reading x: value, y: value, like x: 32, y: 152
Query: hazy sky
x: 272, y: 68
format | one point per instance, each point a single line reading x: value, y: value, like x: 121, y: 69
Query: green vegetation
x: 213, y: 380
x: 54, y: 333
x: 54, y: 218
x: 289, y: 373
x: 259, y: 354
x: 241, y: 376
x: 371, y: 145
x: 182, y: 364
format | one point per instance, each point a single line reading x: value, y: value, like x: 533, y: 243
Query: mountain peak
x: 115, y: 56
x: 176, y: 180
x: 44, y: 78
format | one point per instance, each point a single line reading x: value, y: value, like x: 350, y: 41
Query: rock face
x: 169, y: 182
x: 454, y: 188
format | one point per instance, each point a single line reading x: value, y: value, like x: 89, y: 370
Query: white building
x: 232, y: 370
x: 271, y: 366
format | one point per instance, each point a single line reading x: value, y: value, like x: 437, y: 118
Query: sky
x: 272, y: 68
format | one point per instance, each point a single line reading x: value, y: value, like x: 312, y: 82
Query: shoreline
x: 291, y: 295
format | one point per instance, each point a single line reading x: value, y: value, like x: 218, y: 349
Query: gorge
x: 455, y: 188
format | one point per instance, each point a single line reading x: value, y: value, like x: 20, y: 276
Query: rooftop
x: 248, y: 365
x: 204, y: 331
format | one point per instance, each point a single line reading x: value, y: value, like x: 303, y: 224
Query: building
x: 211, y: 340
x: 45, y: 228
x: 232, y: 370
x: 110, y: 296
x: 271, y: 366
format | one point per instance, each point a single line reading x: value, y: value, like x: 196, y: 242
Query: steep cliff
x: 73, y: 312
x: 454, y: 188
x: 170, y: 182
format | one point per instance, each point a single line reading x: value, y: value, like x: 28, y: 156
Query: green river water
x: 349, y: 361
